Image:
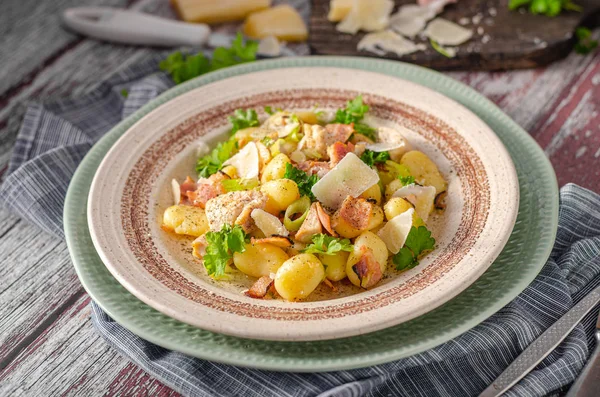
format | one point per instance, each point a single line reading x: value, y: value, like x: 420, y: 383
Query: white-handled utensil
x: 129, y: 27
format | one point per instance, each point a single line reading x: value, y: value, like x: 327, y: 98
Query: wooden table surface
x: 47, y: 343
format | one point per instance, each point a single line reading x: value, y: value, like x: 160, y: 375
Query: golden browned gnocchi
x: 259, y: 259
x: 185, y: 219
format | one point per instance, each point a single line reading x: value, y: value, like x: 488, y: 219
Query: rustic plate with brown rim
x: 130, y: 192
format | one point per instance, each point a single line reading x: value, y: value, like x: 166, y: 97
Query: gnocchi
x: 305, y: 199
x: 299, y: 276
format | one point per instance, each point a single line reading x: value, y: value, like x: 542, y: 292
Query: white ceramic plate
x: 131, y: 190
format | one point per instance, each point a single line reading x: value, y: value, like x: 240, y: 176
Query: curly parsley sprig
x: 354, y: 112
x: 221, y: 247
x: 418, y: 241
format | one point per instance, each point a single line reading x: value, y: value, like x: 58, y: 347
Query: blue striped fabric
x: 53, y: 139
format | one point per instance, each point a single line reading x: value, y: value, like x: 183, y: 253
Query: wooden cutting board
x: 502, y: 39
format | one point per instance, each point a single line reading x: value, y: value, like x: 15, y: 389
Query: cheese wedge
x: 338, y: 9
x: 282, y: 22
x: 422, y: 197
x: 246, y: 161
x: 217, y: 11
x: 395, y: 232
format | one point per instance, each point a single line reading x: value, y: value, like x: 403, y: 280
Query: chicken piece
x: 314, y: 139
x: 234, y: 208
x: 338, y: 133
x: 310, y: 226
x: 337, y: 151
x: 318, y: 168
x: 260, y: 288
x: 325, y: 219
x: 367, y: 269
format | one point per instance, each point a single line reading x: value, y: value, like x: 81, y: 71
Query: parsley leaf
x: 124, y: 93
x: 371, y: 158
x: 183, y: 68
x: 550, y: 8
x: 353, y: 113
x: 232, y: 185
x: 584, y: 44
x: 269, y: 110
x: 220, y: 248
x: 213, y: 162
x: 418, y: 240
x: 406, y: 180
x: 444, y: 51
x: 304, y: 181
x: 243, y: 119
x: 327, y: 245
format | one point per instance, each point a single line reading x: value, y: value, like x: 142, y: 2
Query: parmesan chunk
x: 422, y: 197
x: 394, y: 232
x: 350, y: 177
x: 282, y: 22
x: 217, y: 11
x: 176, y: 191
x: 269, y: 46
x: 246, y: 161
x: 445, y: 32
x: 269, y: 224
x: 368, y: 15
x: 338, y: 9
x: 387, y: 41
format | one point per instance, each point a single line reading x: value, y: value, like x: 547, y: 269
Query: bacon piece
x: 319, y: 168
x: 330, y: 285
x: 279, y: 241
x: 310, y: 226
x: 260, y: 288
x: 356, y: 212
x: 338, y: 132
x: 325, y: 219
x: 337, y: 151
x: 367, y: 268
x: 202, y: 194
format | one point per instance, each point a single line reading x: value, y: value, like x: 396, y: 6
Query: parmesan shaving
x: 422, y: 197
x: 383, y: 146
x: 395, y: 232
x: 246, y: 161
x: 411, y: 19
x: 176, y: 191
x: 269, y: 224
x: 445, y: 32
x: 387, y: 41
x: 394, y: 139
x: 350, y: 177
x: 367, y: 15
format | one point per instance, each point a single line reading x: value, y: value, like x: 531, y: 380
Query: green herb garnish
x: 585, y: 44
x: 327, y: 245
x: 213, y: 162
x: 186, y: 67
x: 444, y: 51
x: 124, y: 93
x: 304, y: 181
x: 418, y: 240
x: 406, y: 180
x: 550, y: 8
x: 220, y: 248
x: 353, y: 113
x: 243, y: 118
x: 372, y: 158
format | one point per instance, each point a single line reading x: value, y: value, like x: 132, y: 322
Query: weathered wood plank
x: 37, y: 281
x: 70, y: 359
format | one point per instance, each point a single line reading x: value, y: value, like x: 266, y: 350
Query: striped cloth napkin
x: 53, y: 139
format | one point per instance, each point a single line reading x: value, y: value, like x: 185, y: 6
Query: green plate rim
x: 251, y: 353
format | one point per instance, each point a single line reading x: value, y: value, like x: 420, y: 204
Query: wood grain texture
x: 70, y: 359
x: 502, y: 39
